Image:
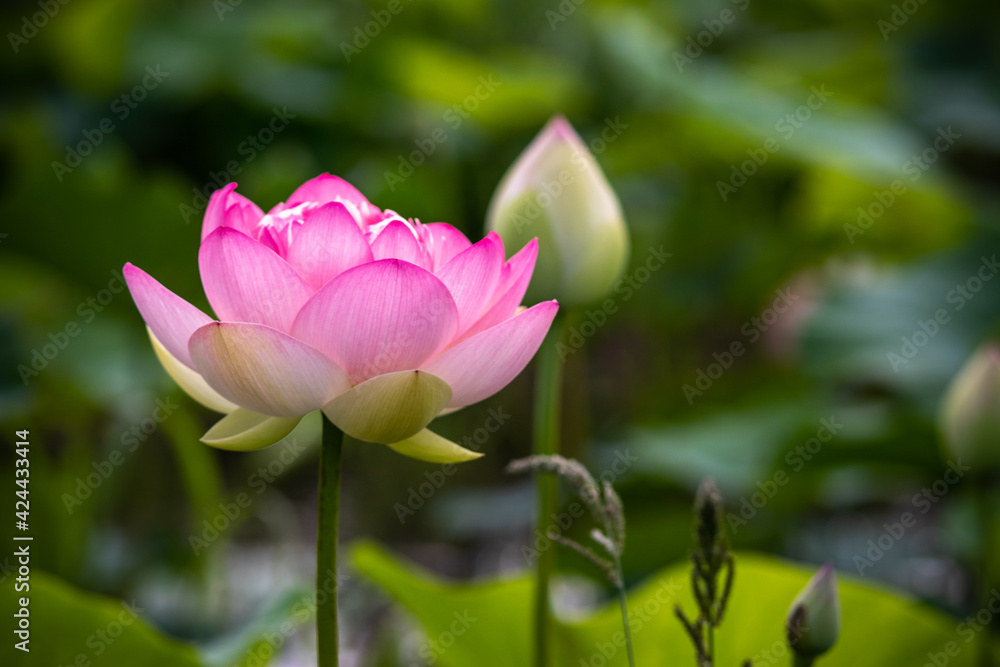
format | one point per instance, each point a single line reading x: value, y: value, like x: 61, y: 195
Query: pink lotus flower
x: 328, y: 303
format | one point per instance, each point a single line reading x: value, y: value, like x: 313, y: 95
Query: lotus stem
x: 326, y: 543
x: 988, y: 532
x: 548, y: 400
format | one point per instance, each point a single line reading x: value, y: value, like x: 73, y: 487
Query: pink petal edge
x: 171, y: 318
x: 472, y: 277
x: 485, y: 363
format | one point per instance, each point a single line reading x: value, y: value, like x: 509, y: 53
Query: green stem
x: 622, y: 595
x: 623, y: 602
x: 802, y: 660
x: 326, y: 543
x: 548, y: 399
x: 988, y: 536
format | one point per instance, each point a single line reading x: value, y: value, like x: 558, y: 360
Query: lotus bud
x: 556, y: 192
x: 813, y: 623
x: 970, y: 414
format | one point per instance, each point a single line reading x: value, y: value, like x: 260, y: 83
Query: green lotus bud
x: 813, y: 623
x: 970, y: 414
x: 556, y: 191
x: 708, y: 522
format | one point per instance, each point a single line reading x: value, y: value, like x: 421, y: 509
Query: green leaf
x: 848, y: 137
x: 67, y: 623
x: 264, y: 636
x: 753, y: 627
x: 688, y: 452
x: 501, y: 610
x: 521, y: 87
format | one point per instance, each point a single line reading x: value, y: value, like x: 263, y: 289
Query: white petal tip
x: 431, y: 447
x: 243, y: 430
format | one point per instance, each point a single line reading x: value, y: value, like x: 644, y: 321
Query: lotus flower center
x: 389, y: 217
x: 283, y: 221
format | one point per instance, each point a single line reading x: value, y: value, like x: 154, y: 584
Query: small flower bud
x: 556, y: 191
x: 708, y: 513
x: 813, y: 623
x: 970, y: 414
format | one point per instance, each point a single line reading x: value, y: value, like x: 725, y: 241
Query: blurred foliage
x: 488, y: 75
x: 95, y: 629
x: 89, y: 626
x: 465, y: 621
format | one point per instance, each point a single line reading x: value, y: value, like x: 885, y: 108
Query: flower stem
x: 326, y: 542
x: 622, y: 595
x: 548, y: 399
x: 623, y: 602
x: 802, y: 660
x: 988, y: 537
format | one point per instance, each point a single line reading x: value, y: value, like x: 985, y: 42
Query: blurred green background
x: 756, y: 142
